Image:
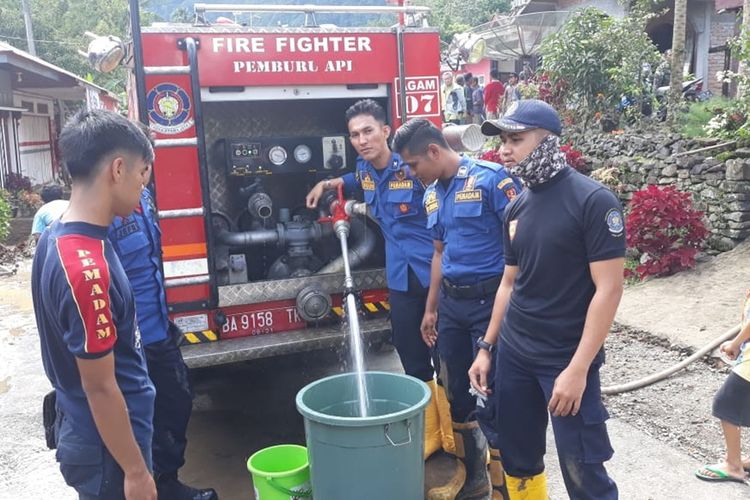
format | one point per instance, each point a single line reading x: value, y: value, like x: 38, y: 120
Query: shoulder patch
x: 87, y: 272
x: 489, y: 165
x: 615, y: 222
x: 367, y: 183
x: 430, y: 201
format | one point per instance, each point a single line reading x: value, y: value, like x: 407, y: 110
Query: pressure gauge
x: 277, y: 155
x: 302, y: 153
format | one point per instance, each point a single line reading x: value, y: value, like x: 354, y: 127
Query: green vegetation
x: 598, y: 59
x: 693, y: 122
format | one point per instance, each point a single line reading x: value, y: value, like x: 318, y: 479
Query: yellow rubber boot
x: 497, y: 476
x: 446, y: 422
x: 433, y: 439
x: 527, y: 488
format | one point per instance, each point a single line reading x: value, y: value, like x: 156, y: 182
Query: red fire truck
x: 247, y: 121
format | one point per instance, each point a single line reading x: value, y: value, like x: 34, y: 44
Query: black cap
x: 526, y: 114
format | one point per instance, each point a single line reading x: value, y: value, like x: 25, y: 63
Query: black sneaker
x: 170, y: 488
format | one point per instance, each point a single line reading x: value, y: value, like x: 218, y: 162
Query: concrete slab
x: 647, y: 469
x: 693, y: 307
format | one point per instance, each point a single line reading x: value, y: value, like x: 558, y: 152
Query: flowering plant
x: 665, y: 230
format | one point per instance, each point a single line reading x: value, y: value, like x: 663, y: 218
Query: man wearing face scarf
x: 564, y: 246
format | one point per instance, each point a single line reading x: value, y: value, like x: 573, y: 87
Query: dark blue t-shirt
x: 84, y: 308
x: 552, y: 233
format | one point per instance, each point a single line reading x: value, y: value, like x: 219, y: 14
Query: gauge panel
x: 287, y: 155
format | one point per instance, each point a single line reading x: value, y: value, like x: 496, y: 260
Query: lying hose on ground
x: 658, y: 377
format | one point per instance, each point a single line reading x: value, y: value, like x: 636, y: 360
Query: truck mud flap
x: 274, y: 344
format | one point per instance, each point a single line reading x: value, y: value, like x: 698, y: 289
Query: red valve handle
x: 337, y: 209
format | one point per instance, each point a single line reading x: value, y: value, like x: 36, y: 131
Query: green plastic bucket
x: 280, y: 473
x: 376, y: 457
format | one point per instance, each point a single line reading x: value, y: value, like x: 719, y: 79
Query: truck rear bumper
x: 275, y: 344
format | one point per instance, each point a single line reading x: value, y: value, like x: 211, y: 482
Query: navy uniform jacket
x: 394, y: 196
x: 466, y: 214
x: 137, y: 241
x: 84, y: 308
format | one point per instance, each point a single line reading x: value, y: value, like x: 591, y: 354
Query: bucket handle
x: 408, y: 428
x: 289, y: 493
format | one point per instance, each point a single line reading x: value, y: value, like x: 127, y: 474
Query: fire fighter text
x: 302, y: 44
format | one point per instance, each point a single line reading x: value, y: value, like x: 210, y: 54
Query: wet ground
x: 660, y: 434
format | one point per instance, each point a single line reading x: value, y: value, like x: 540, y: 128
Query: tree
x: 744, y: 68
x: 59, y: 27
x: 181, y: 15
x: 678, y: 58
x: 456, y: 16
x: 598, y: 59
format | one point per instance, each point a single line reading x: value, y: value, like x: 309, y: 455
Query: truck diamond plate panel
x: 266, y: 291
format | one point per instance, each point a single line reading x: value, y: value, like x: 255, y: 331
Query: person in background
x: 454, y: 100
x: 493, y: 95
x: 85, y: 313
x: 511, y: 94
x: 54, y: 206
x: 732, y: 407
x: 477, y: 101
x: 468, y: 91
x: 137, y: 241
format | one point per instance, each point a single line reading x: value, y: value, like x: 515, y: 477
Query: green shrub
x: 5, y: 215
x: 693, y: 122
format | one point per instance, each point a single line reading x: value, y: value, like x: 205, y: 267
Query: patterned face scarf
x: 542, y: 164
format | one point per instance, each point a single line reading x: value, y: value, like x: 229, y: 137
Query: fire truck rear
x: 247, y: 121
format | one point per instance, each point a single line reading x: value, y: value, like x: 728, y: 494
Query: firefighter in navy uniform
x: 137, y: 242
x: 464, y: 203
x: 394, y: 198
x: 564, y: 241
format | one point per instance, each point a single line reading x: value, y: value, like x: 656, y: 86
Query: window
x: 28, y: 105
x: 42, y: 109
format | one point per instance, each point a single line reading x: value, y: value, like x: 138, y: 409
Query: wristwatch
x: 485, y: 345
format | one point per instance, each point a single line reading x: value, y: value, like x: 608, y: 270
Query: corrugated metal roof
x: 7, y: 48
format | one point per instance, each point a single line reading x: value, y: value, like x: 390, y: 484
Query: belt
x: 475, y: 291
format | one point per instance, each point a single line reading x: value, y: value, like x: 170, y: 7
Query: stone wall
x: 720, y: 187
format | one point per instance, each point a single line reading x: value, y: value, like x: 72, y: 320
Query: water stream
x: 355, y: 336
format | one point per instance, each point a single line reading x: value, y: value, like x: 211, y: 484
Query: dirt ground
x: 244, y: 408
x: 676, y: 411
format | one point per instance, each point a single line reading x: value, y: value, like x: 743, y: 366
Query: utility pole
x: 29, y: 29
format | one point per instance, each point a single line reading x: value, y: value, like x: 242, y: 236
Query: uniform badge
x: 512, y: 229
x: 615, y: 222
x: 431, y: 202
x: 468, y: 196
x: 470, y: 181
x: 400, y: 174
x: 404, y: 208
x: 367, y: 183
x: 462, y: 171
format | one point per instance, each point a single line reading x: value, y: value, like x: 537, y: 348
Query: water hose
x: 659, y: 376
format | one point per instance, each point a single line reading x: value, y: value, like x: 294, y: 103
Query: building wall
x: 723, y: 27
x: 35, y: 139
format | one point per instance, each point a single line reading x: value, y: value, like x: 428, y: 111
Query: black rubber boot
x: 474, y: 457
x: 169, y: 487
